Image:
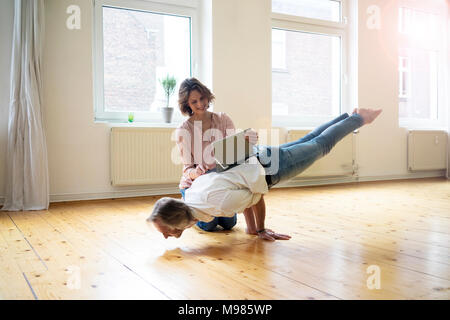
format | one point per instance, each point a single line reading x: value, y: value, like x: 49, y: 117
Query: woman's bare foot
x: 368, y: 115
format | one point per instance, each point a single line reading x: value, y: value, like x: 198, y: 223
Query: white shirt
x: 226, y: 193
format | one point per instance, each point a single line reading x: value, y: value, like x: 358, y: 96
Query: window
x: 318, y: 9
x: 311, y: 85
x: 404, y: 78
x: 137, y: 44
x: 422, y: 65
x: 309, y: 62
x: 278, y: 50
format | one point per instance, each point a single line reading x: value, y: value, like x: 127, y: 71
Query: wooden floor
x: 105, y: 250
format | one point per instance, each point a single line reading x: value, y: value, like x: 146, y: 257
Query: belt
x: 268, y: 177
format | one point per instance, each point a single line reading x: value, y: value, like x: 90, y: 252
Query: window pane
x: 140, y: 48
x: 420, y: 46
x: 422, y: 98
x: 278, y: 49
x: 311, y: 84
x: 421, y: 29
x: 317, y: 9
x: 404, y: 78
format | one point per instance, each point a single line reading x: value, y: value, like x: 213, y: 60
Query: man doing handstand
x: 242, y: 188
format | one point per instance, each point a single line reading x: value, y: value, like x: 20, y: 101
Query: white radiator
x: 142, y: 156
x: 427, y: 150
x: 339, y: 162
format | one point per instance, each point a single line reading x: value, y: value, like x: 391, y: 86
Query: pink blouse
x: 197, y: 150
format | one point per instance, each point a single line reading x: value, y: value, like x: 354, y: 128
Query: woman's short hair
x: 172, y: 213
x: 186, y: 87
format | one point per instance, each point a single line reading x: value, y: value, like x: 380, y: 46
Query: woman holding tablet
x: 195, y: 136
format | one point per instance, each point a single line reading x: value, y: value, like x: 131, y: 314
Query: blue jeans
x: 295, y: 157
x: 225, y: 222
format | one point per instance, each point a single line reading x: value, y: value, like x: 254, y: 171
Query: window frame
x: 281, y: 68
x: 182, y: 8
x: 321, y: 27
x: 404, y: 72
x: 441, y: 113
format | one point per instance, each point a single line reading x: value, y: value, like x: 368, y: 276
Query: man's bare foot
x: 368, y: 115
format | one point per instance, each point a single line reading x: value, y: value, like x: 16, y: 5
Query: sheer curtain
x: 27, y: 185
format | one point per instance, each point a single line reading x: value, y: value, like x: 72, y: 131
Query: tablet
x: 232, y: 150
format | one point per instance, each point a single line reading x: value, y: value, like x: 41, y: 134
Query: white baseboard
x: 311, y: 181
x: 412, y: 175
x: 349, y: 179
x: 173, y: 189
x: 153, y: 191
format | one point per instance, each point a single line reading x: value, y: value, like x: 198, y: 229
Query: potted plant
x: 168, y: 83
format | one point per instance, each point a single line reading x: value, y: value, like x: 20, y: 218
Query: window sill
x: 423, y: 125
x: 294, y: 128
x: 414, y: 128
x: 303, y: 122
x: 112, y: 123
x: 280, y: 70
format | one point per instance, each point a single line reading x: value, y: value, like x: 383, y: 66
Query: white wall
x: 381, y: 147
x: 204, y: 64
x: 77, y: 148
x: 241, y: 80
x: 6, y: 30
x: 242, y: 61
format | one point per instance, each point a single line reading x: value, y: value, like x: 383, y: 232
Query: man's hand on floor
x: 270, y: 235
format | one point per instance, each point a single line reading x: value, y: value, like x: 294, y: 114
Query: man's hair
x: 172, y: 213
x: 186, y: 87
